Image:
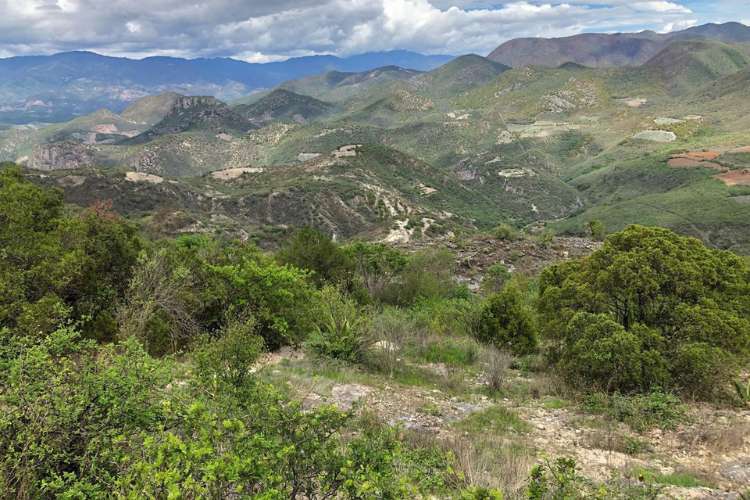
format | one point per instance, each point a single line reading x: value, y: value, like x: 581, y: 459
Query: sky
x: 268, y: 30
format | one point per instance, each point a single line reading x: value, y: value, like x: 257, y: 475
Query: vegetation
x: 651, y: 309
x: 132, y: 366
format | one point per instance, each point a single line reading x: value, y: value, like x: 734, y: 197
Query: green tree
x: 316, y: 252
x: 507, y: 322
x: 655, y: 293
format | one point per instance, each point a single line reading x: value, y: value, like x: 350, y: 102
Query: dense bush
x: 56, y: 265
x: 199, y: 284
x: 507, y: 322
x: 314, y: 251
x: 650, y: 309
x: 495, y: 278
x: 342, y: 329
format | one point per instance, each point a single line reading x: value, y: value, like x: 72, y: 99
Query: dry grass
x: 497, y: 364
x: 487, y: 461
x: 722, y: 439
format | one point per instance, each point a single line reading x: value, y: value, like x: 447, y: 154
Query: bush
x: 427, y: 275
x: 597, y: 230
x: 342, y: 330
x: 506, y: 232
x: 495, y: 278
x: 376, y: 269
x: 81, y: 262
x: 229, y: 358
x: 316, y: 252
x: 650, y: 309
x: 641, y: 411
x: 498, y: 363
x: 506, y: 322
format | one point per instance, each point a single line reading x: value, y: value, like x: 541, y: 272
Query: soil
x: 735, y: 178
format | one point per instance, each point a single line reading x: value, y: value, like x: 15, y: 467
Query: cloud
x: 263, y: 30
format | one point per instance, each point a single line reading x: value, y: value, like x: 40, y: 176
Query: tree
x: 597, y: 230
x: 506, y: 322
x: 495, y: 278
x: 664, y: 292
x: 316, y: 252
x: 81, y: 262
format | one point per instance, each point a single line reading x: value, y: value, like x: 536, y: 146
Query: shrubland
x: 132, y: 367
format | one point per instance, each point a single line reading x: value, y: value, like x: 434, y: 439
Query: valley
x: 470, y: 145
x: 384, y: 276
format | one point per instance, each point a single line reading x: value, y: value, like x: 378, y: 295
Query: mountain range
x: 61, y: 86
x: 609, y: 50
x: 403, y: 155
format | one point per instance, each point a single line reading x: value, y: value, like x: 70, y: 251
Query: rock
x: 61, y: 156
x: 656, y: 136
x: 345, y: 395
x: 739, y: 472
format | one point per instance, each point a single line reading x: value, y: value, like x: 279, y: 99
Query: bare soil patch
x: 735, y: 177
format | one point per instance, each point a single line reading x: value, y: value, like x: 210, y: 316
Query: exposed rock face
x: 61, y: 156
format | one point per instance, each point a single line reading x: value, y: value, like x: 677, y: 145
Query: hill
x: 460, y: 74
x: 689, y: 65
x: 608, y: 50
x: 198, y: 113
x: 337, y: 86
x: 282, y: 104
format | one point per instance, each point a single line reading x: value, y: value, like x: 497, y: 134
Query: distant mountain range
x: 598, y: 50
x: 62, y: 86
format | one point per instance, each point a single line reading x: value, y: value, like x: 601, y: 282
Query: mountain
x: 460, y: 74
x: 62, y: 86
x: 282, y: 104
x: 197, y: 113
x: 336, y: 86
x: 687, y: 65
x: 608, y: 50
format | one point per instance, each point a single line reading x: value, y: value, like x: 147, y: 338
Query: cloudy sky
x: 263, y: 30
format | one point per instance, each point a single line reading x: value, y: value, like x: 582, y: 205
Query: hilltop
x: 608, y: 50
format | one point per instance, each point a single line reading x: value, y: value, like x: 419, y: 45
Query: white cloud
x: 661, y: 6
x: 678, y: 25
x: 262, y: 30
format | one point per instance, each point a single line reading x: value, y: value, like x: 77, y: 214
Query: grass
x: 680, y: 479
x: 641, y: 412
x: 496, y: 420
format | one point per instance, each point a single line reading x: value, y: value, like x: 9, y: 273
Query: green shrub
x: 506, y: 232
x: 597, y: 230
x: 376, y: 269
x: 342, y: 330
x: 316, y: 252
x: 507, y: 322
x: 650, y: 309
x: 428, y: 274
x: 229, y: 358
x: 495, y: 278
x: 82, y: 262
x: 642, y: 411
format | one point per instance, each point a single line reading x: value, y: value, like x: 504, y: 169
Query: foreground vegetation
x: 135, y: 368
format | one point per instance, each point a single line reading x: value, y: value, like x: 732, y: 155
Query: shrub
x: 497, y: 365
x: 506, y: 322
x: 316, y: 252
x: 229, y: 358
x: 506, y: 232
x: 376, y: 269
x: 495, y: 278
x: 597, y: 230
x: 342, y: 330
x: 82, y: 262
x: 650, y: 309
x: 642, y: 411
x: 427, y: 275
